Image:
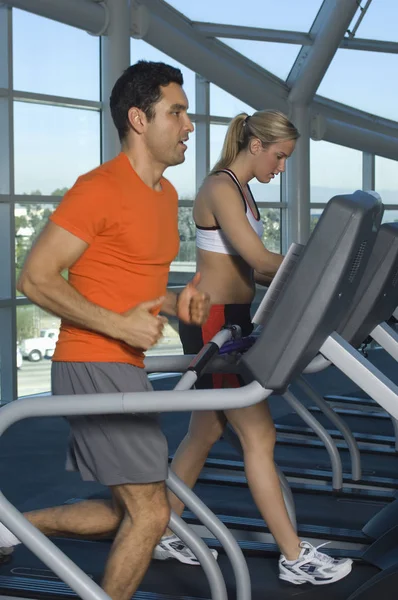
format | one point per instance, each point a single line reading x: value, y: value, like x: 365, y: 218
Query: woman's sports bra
x: 213, y: 238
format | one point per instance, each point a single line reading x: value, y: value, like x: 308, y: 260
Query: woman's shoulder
x: 214, y: 183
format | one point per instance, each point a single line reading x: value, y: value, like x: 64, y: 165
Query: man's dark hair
x: 140, y: 86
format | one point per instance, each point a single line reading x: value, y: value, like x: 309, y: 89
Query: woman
x: 231, y: 259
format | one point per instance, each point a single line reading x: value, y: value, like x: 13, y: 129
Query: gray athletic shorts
x: 111, y: 449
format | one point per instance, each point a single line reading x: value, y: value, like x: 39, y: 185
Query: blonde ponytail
x: 269, y: 126
x: 233, y: 143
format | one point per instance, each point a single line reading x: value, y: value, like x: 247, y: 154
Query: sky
x: 53, y: 145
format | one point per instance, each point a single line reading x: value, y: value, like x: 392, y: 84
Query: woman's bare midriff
x: 226, y: 278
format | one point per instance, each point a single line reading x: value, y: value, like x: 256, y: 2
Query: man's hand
x: 193, y: 306
x: 140, y: 328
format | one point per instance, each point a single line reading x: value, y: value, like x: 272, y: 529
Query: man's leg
x: 89, y: 518
x: 146, y: 517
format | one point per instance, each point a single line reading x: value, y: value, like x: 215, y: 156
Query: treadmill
x: 376, y: 298
x: 375, y: 301
x: 319, y: 289
x: 355, y: 514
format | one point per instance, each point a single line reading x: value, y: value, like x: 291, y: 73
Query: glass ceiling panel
x: 380, y: 21
x: 223, y: 104
x: 364, y: 80
x: 294, y: 16
x: 277, y: 58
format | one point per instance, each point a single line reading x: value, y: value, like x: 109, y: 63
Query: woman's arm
x: 227, y: 207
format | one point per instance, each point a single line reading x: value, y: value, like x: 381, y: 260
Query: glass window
x: 223, y: 104
x: 274, y: 57
x: 53, y: 146
x: 140, y: 50
x: 183, y: 176
x: 315, y: 215
x: 267, y: 192
x: 170, y: 343
x: 4, y: 146
x: 34, y: 349
x: 187, y: 229
x: 334, y: 170
x: 347, y: 80
x: 29, y: 221
x: 217, y: 136
x: 292, y: 15
x: 271, y: 218
x: 390, y: 216
x: 387, y: 179
x: 5, y: 246
x: 53, y: 58
x: 380, y: 21
x: 3, y: 46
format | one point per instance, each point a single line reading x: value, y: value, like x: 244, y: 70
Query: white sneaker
x: 172, y: 547
x: 5, y: 553
x: 313, y: 567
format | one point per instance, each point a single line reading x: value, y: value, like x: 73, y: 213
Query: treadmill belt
x: 324, y: 511
x: 293, y: 454
x: 358, y: 423
x: 26, y: 575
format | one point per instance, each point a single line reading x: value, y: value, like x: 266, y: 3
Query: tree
x: 187, y: 230
x: 314, y: 220
x: 26, y: 325
x: 186, y: 226
x: 27, y: 228
x: 28, y: 225
x: 60, y: 191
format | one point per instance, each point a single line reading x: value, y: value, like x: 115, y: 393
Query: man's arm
x: 41, y: 281
x: 190, y: 305
x: 170, y: 303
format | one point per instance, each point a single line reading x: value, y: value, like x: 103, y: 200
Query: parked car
x: 34, y: 349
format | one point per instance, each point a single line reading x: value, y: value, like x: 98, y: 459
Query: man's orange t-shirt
x: 132, y: 233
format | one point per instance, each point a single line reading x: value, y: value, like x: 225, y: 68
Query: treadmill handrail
x: 362, y: 372
x: 319, y: 363
x: 118, y: 403
x: 131, y: 402
x: 317, y: 427
x: 178, y: 363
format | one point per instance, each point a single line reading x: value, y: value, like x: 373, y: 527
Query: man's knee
x: 147, y: 506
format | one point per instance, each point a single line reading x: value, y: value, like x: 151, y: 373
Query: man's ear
x: 255, y: 146
x: 137, y: 119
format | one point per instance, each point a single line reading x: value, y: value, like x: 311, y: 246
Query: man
x: 116, y: 232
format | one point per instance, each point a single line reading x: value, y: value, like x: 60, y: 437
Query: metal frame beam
x: 368, y: 171
x: 202, y: 130
x: 8, y: 341
x: 212, y: 59
x: 312, y: 62
x: 360, y: 139
x: 340, y: 124
x: 300, y: 38
x: 369, y: 45
x: 242, y: 32
x: 298, y: 180
x: 172, y: 33
x: 115, y: 58
x: 83, y: 14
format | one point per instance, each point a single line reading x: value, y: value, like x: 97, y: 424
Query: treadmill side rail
x: 362, y: 372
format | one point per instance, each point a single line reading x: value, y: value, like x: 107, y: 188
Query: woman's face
x: 270, y: 161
